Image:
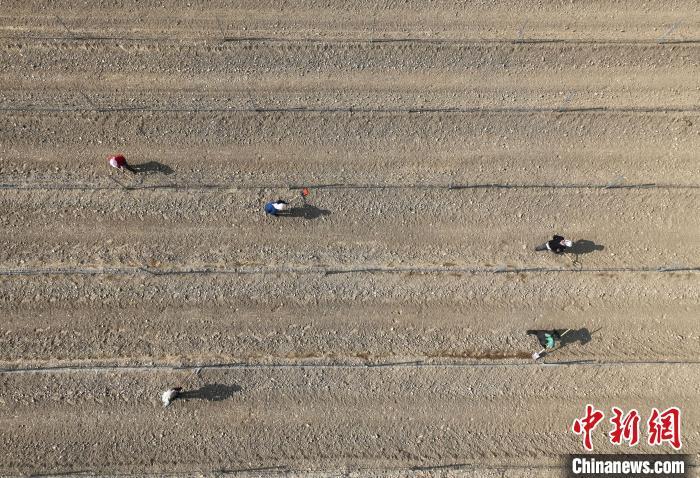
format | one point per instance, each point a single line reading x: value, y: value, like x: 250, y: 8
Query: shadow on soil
x: 307, y: 212
x: 564, y: 337
x: 584, y: 246
x: 152, y: 167
x: 582, y: 336
x: 213, y: 392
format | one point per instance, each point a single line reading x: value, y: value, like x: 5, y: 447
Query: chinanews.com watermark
x: 603, y: 466
x: 662, y: 429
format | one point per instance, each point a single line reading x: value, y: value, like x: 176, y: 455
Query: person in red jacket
x: 118, y: 161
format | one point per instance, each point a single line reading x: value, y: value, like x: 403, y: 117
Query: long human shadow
x: 582, y: 336
x: 306, y: 211
x: 213, y: 392
x: 152, y: 167
x: 584, y: 246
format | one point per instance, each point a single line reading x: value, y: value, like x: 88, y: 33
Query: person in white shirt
x: 170, y: 395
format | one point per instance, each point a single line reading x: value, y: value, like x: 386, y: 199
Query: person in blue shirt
x: 274, y: 208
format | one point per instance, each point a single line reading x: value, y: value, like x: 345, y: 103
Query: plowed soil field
x: 380, y: 330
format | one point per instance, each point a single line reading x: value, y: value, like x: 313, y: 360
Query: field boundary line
x: 286, y: 471
x: 216, y: 35
x: 335, y: 271
x: 257, y: 187
x: 420, y: 362
x: 360, y: 110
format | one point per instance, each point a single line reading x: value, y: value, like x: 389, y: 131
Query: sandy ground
x: 381, y: 330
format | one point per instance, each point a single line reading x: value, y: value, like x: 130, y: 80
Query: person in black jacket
x: 557, y: 245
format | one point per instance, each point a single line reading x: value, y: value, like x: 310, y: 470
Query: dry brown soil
x: 380, y: 331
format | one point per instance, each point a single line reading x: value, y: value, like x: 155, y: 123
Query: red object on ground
x: 305, y: 192
x: 117, y: 161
